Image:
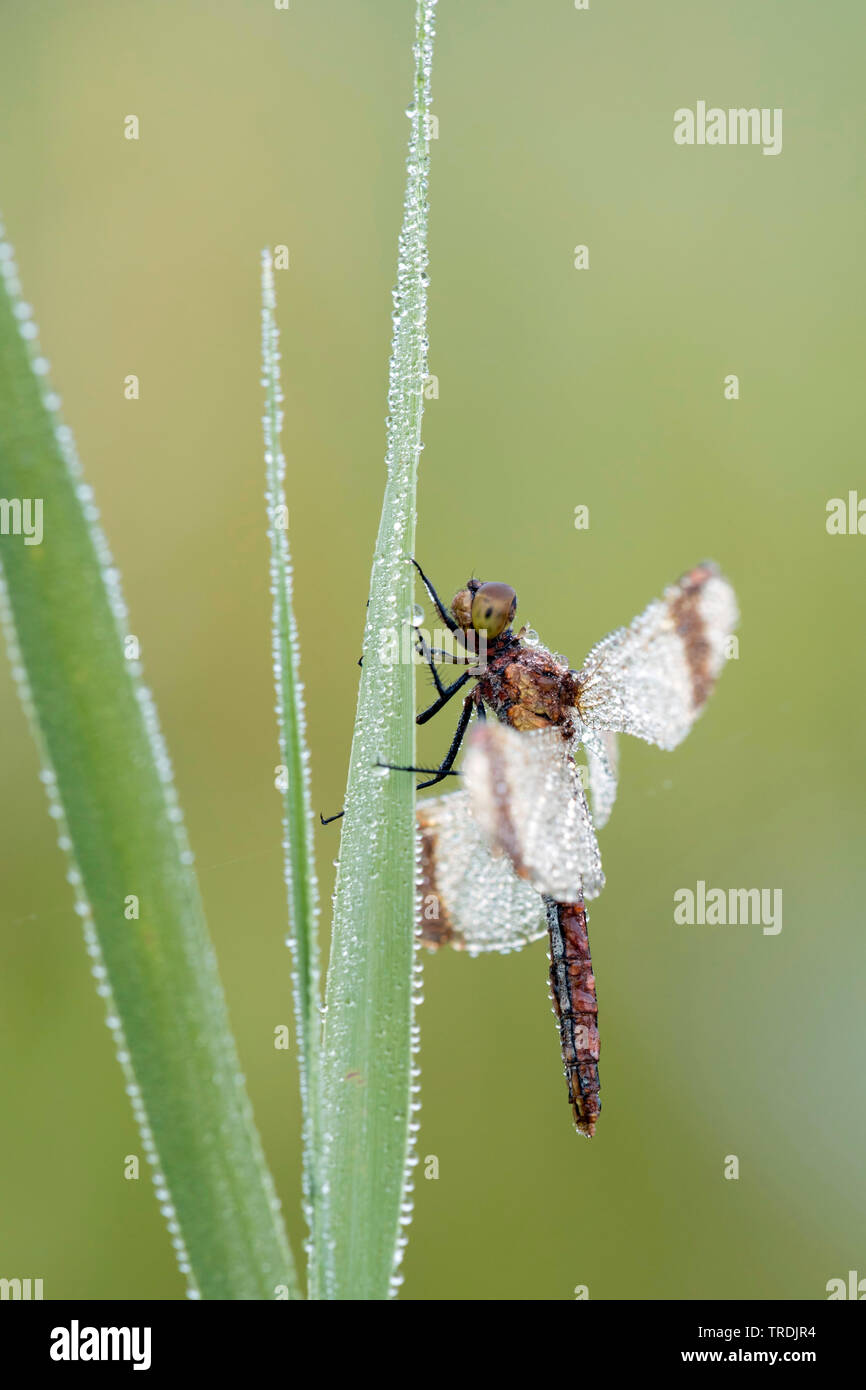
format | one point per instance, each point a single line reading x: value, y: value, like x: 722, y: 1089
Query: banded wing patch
x: 652, y: 679
x: 526, y: 795
x: 470, y: 898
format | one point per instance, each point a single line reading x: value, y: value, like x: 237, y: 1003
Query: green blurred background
x: 557, y: 388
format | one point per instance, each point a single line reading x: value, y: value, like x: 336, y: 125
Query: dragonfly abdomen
x: 572, y: 988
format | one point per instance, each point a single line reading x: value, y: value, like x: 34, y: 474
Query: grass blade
x: 300, y: 874
x: 369, y: 1035
x: 112, y: 795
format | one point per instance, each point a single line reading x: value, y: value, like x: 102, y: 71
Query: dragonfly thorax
x: 527, y: 688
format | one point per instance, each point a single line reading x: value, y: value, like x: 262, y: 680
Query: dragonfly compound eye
x: 493, y: 608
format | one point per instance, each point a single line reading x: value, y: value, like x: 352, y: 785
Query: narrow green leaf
x: 112, y: 795
x: 367, y: 1067
x: 299, y: 859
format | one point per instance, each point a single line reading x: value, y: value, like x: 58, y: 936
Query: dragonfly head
x: 485, y: 608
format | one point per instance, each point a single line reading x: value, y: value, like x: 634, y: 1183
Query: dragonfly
x: 513, y: 854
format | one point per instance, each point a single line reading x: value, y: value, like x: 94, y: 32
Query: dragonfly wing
x: 653, y: 678
x: 602, y: 760
x: 526, y: 795
x: 470, y: 897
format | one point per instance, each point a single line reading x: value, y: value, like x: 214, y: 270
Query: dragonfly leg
x: 445, y: 768
x: 435, y: 772
x: 446, y: 693
x: 469, y: 659
x: 466, y: 660
x: 427, y: 654
x: 435, y: 599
